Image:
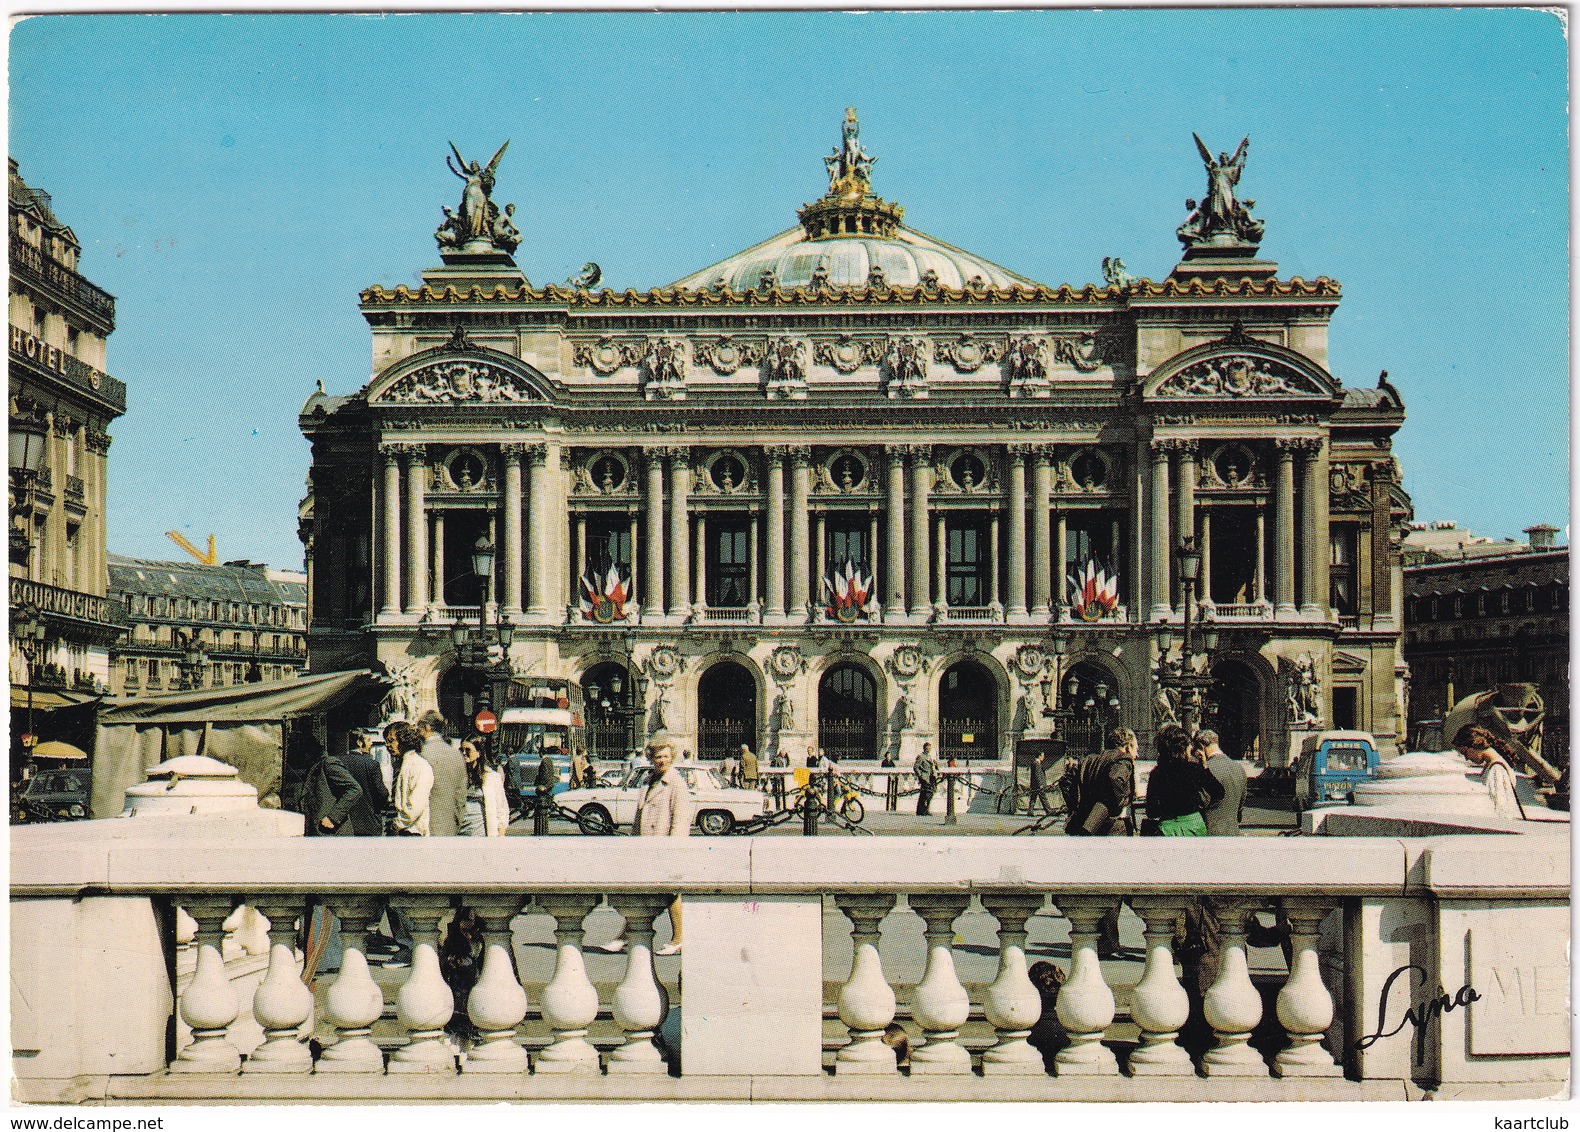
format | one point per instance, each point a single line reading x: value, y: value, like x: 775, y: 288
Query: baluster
x: 1305, y: 1008
x: 497, y: 1002
x: 1232, y: 1005
x: 640, y: 1001
x: 1159, y: 1004
x: 1086, y: 1004
x: 424, y: 1002
x: 355, y: 1001
x: 866, y: 1001
x: 570, y: 1001
x: 940, y: 1004
x: 282, y: 1002
x: 1012, y: 1004
x: 209, y: 1004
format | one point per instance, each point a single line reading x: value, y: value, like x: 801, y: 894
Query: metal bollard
x: 892, y: 803
x: 540, y: 816
x: 809, y: 809
x: 949, y: 801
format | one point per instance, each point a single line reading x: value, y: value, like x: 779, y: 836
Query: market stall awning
x: 238, y: 703
x: 47, y: 701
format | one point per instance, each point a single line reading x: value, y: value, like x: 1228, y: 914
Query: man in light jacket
x: 447, y: 802
x: 1223, y: 817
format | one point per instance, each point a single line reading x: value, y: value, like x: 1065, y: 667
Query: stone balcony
x: 799, y: 954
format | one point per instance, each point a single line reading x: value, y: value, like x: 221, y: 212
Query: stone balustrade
x: 767, y: 925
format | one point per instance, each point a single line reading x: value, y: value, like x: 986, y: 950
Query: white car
x: 600, y: 809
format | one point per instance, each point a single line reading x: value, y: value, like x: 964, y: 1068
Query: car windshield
x: 696, y: 777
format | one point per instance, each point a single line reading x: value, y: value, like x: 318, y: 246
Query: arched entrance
x: 847, y: 713
x: 1090, y: 697
x: 1234, y: 709
x: 967, y: 712
x: 726, y: 711
x: 460, y: 694
x: 612, y: 710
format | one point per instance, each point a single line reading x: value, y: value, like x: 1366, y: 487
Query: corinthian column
x: 921, y: 486
x: 1162, y: 607
x: 1314, y: 513
x: 679, y: 532
x: 774, y: 568
x: 1284, y: 531
x: 416, y: 531
x: 538, y: 511
x: 1041, y: 534
x: 800, y: 531
x: 392, y: 590
x: 512, y: 548
x: 894, y: 523
x: 1185, y: 514
x: 1017, y: 530
x: 652, y: 596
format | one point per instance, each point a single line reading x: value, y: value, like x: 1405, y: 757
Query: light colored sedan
x: 600, y: 809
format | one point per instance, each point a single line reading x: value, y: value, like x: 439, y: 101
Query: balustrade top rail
x: 117, y: 856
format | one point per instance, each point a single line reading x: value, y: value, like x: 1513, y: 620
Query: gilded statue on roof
x: 850, y: 166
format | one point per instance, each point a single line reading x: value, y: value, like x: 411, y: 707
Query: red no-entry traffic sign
x: 486, y: 722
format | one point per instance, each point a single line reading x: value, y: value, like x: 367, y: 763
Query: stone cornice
x: 680, y: 297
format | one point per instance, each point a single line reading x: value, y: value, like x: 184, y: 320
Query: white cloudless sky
x: 235, y: 181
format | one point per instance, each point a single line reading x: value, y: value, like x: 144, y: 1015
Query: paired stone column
x: 894, y: 523
x: 416, y: 530
x: 1284, y: 529
x: 679, y: 604
x: 1158, y: 520
x: 699, y: 561
x: 511, y: 552
x: 774, y: 567
x: 800, y: 531
x: 539, y: 509
x: 1017, y: 530
x: 1314, y: 519
x: 391, y: 454
x: 753, y: 565
x: 438, y: 557
x: 919, y: 585
x: 1204, y: 589
x: 1382, y: 478
x: 1260, y: 574
x: 652, y: 595
x: 1061, y: 554
x: 941, y: 562
x: 1185, y: 497
x: 1041, y: 535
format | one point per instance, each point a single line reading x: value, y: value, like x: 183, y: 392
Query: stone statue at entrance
x: 479, y: 225
x: 1221, y: 219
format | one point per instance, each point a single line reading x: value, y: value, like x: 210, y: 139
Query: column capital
x: 774, y: 453
x: 393, y: 450
x: 1020, y: 449
x: 912, y: 451
x: 537, y: 452
x: 1163, y: 445
x: 799, y: 454
x: 1306, y: 445
x: 668, y: 451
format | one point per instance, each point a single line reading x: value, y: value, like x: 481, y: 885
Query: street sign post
x: 486, y: 722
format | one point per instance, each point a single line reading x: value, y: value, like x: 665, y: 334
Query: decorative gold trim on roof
x: 428, y: 295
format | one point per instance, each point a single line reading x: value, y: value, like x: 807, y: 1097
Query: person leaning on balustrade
x: 1479, y: 747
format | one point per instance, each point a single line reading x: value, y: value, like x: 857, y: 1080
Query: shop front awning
x: 47, y: 701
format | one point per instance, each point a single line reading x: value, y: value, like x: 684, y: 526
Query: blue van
x: 1331, y: 764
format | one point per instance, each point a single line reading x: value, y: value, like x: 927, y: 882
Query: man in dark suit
x: 1223, y: 817
x: 367, y: 817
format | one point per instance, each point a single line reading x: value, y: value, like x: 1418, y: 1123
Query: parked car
x: 601, y: 809
x: 56, y: 795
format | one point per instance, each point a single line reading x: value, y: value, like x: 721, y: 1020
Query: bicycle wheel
x: 853, y: 810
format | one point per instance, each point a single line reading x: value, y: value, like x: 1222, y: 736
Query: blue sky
x: 236, y: 180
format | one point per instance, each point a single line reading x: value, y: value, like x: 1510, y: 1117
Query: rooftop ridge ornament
x: 1221, y: 222
x: 849, y: 208
x: 479, y: 230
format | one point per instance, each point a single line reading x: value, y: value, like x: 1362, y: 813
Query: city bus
x: 541, y: 713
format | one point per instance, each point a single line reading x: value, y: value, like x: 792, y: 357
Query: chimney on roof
x: 1541, y: 536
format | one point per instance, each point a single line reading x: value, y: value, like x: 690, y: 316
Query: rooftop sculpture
x: 1220, y: 220
x: 479, y: 226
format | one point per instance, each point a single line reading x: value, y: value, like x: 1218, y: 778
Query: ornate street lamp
x: 1187, y: 681
x: 28, y: 630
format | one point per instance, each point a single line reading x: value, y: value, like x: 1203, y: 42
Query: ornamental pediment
x: 456, y: 373
x: 1240, y: 368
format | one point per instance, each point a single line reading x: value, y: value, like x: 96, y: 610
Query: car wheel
x: 595, y: 821
x: 715, y: 823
